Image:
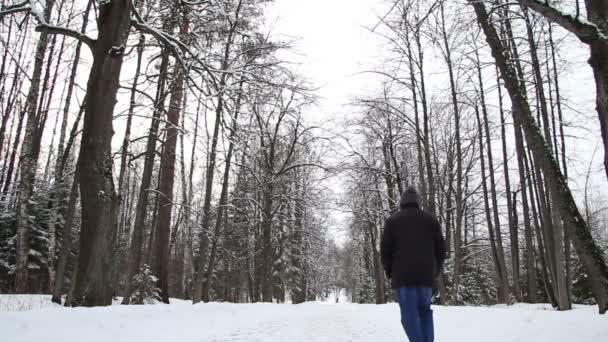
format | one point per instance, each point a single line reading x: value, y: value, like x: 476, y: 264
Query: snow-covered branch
x: 44, y: 27
x: 34, y: 7
x: 177, y: 48
x: 585, y: 31
x: 15, y: 8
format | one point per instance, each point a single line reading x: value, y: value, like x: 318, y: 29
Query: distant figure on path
x: 413, y: 252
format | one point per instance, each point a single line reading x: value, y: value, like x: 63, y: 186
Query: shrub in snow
x: 476, y: 283
x: 581, y: 288
x: 367, y: 293
x: 145, y: 290
x: 38, y: 236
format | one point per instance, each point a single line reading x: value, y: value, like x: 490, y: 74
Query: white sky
x: 333, y: 46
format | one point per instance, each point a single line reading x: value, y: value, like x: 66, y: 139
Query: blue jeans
x: 416, y: 313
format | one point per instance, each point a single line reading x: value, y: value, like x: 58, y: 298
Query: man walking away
x: 413, y: 252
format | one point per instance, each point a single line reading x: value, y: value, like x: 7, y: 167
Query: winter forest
x: 164, y: 151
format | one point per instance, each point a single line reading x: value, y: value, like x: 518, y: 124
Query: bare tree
x: 590, y: 254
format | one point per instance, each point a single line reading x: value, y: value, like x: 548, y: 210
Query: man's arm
x: 386, y: 249
x: 440, y: 249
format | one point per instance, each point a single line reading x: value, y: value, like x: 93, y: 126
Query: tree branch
x: 44, y: 27
x: 16, y: 8
x: 175, y: 46
x: 585, y: 31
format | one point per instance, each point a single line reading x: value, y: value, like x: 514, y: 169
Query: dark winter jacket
x: 413, y: 248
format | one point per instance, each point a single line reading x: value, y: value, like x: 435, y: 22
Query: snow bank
x: 217, y: 322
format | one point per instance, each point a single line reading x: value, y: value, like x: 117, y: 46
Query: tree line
x: 212, y: 188
x: 487, y: 147
x: 179, y: 164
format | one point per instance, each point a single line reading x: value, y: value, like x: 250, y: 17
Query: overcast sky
x: 333, y: 45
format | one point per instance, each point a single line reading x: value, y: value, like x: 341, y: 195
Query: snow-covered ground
x: 32, y: 318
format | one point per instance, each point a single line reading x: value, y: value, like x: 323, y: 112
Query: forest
x: 161, y: 149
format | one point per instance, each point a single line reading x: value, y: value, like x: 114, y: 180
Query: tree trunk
x: 504, y: 277
x: 198, y: 282
x: 137, y: 240
x: 123, y: 161
x: 187, y: 194
x: 298, y: 255
x: 66, y: 243
x: 529, y: 255
x: 426, y: 134
x: 377, y: 266
x: 6, y: 114
x: 223, y: 200
x: 431, y: 205
x: 558, y: 101
x: 511, y: 204
x: 11, y: 164
x: 543, y: 222
x: 502, y: 291
x: 167, y: 171
x: 419, y: 153
x: 393, y: 159
x: 458, y: 195
x: 557, y: 239
x: 98, y: 199
x: 388, y: 175
x: 266, y: 262
x: 58, y: 176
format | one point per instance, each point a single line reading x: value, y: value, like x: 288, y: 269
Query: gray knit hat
x: 409, y: 196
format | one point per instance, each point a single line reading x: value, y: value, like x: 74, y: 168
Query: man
x: 413, y: 252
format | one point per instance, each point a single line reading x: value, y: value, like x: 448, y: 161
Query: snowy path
x: 182, y: 322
